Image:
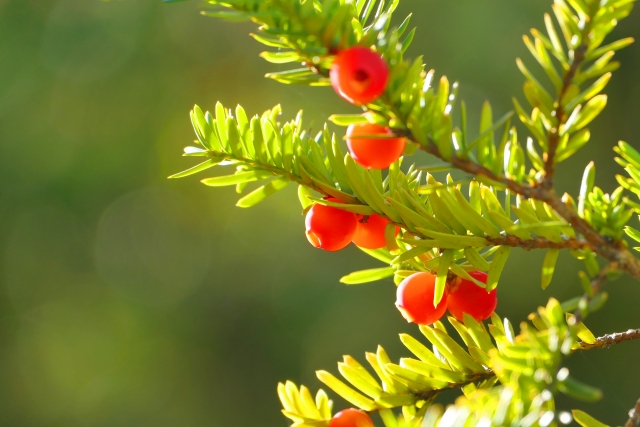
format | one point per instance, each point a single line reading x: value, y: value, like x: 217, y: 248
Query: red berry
x: 467, y: 297
x: 376, y: 153
x: 330, y: 228
x: 415, y: 299
x: 351, y: 418
x: 370, y: 232
x: 359, y: 75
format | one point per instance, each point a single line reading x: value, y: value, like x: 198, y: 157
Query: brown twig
x: 634, y: 416
x: 615, y: 251
x: 604, y: 341
x: 537, y: 243
x: 611, y: 250
x: 554, y: 134
x: 608, y: 340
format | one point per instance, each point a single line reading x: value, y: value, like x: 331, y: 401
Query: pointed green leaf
x: 455, y: 354
x: 263, y: 192
x: 383, y: 359
x: 352, y: 375
x: 612, y: 47
x: 347, y: 119
x: 198, y: 168
x: 581, y: 330
x: 577, y: 390
x: 346, y: 392
x: 481, y: 224
x: 633, y: 233
x: 441, y: 278
x: 433, y: 371
x: 359, y: 209
x: 586, y: 420
x: 356, y: 181
x: 473, y: 256
x: 353, y: 363
x: 379, y: 254
x: 413, y: 379
x: 478, y: 333
x: 366, y: 276
x: 548, y: 266
x: 461, y: 329
x: 498, y: 263
x: 588, y: 180
x: 590, y: 92
x: 304, y: 195
x: 238, y: 178
x: 281, y: 57
x: 588, y: 113
x: 461, y: 272
x: 422, y: 352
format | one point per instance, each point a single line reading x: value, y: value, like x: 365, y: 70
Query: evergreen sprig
x: 437, y: 219
x: 452, y: 227
x: 527, y: 365
x: 413, y: 107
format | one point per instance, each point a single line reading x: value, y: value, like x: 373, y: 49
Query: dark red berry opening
x: 359, y: 75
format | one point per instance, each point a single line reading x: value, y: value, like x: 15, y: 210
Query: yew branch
x: 608, y: 340
x: 604, y: 341
x: 609, y: 249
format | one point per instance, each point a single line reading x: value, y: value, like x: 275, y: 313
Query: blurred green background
x: 130, y: 300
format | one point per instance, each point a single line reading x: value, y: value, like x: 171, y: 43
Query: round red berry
x: 330, y: 228
x: 376, y: 153
x: 359, y: 75
x: 415, y: 299
x: 467, y: 297
x: 370, y: 232
x: 351, y: 418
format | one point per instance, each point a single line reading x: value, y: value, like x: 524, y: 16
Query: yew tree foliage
x: 453, y: 227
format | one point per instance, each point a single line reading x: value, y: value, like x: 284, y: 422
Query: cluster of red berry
x: 332, y: 229
x: 360, y: 76
x: 415, y: 298
x: 415, y: 301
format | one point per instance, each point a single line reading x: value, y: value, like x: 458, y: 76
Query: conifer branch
x: 434, y: 216
x: 609, y: 249
x: 416, y: 111
x: 554, y: 133
x: 605, y: 341
x: 472, y: 167
x: 608, y: 340
x: 538, y: 243
x: 430, y: 394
